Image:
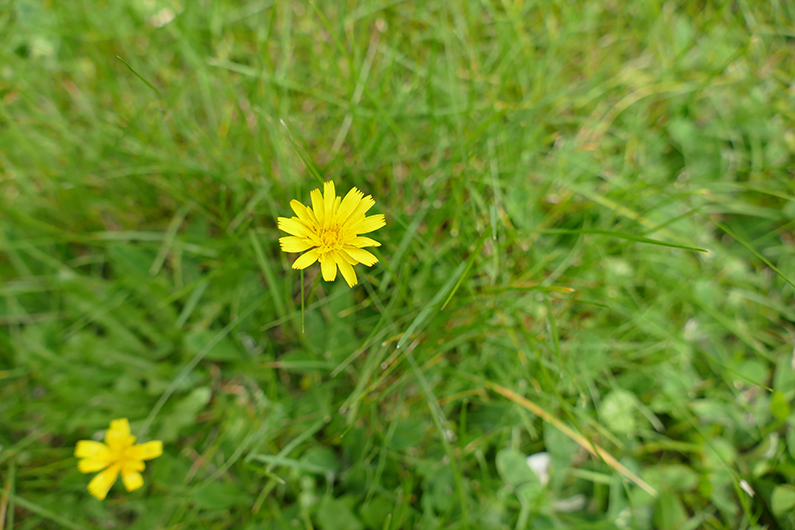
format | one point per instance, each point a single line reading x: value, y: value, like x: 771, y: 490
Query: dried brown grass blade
x: 583, y: 442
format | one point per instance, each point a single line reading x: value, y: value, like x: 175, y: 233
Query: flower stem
x: 305, y: 301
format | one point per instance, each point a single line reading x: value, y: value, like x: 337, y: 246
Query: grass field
x: 589, y: 252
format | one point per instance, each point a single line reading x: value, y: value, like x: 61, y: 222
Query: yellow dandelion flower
x: 116, y: 455
x: 329, y: 232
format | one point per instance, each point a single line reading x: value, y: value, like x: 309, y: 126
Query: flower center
x: 330, y: 238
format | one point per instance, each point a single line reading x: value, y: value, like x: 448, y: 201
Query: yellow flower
x: 329, y: 231
x: 116, y: 455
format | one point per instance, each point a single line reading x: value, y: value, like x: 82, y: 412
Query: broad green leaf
x: 783, y: 500
x: 618, y: 412
x: 513, y: 469
x: 375, y: 512
x: 784, y: 376
x: 790, y: 436
x: 337, y: 514
x: 669, y: 514
x: 753, y: 371
x: 779, y: 406
x: 322, y: 458
x: 673, y: 477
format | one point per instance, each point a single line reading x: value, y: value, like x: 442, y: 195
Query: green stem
x: 305, y: 301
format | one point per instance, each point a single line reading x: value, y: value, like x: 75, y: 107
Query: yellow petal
x: 303, y: 213
x: 91, y: 449
x: 100, y: 485
x: 294, y: 227
x: 295, y: 244
x: 368, y: 224
x: 349, y: 203
x: 358, y: 213
x: 345, y: 268
x: 306, y: 259
x: 364, y: 204
x: 329, y: 268
x: 317, y: 206
x: 336, y: 210
x: 118, y: 437
x: 90, y: 465
x: 315, y: 225
x: 362, y: 242
x: 329, y: 194
x: 120, y: 427
x: 130, y: 475
x: 133, y: 465
x: 362, y: 256
x: 132, y: 480
x: 347, y: 257
x: 146, y: 451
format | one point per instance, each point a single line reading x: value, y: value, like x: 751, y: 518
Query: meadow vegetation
x: 589, y: 252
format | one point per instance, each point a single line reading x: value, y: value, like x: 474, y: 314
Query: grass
x: 589, y: 251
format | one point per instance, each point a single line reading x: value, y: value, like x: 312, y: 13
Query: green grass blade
x: 432, y: 305
x: 42, y: 512
x: 142, y: 78
x: 621, y: 235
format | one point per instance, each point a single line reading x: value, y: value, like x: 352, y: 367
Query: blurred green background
x: 589, y: 204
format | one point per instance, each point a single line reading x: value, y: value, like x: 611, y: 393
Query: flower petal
x: 121, y: 427
x: 329, y: 268
x: 133, y: 465
x: 362, y: 256
x: 349, y: 204
x: 132, y: 479
x: 146, y: 451
x: 91, y: 449
x: 304, y: 214
x: 100, y: 485
x: 306, y: 259
x: 348, y: 257
x: 329, y: 195
x: 365, y: 204
x: 118, y: 437
x: 368, y: 224
x: 315, y: 224
x: 131, y: 476
x: 96, y: 456
x: 293, y: 226
x: 295, y: 244
x: 345, y: 268
x: 317, y: 206
x: 362, y: 242
x: 91, y: 465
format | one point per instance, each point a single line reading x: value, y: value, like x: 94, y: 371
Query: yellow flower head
x: 116, y: 455
x: 329, y: 231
